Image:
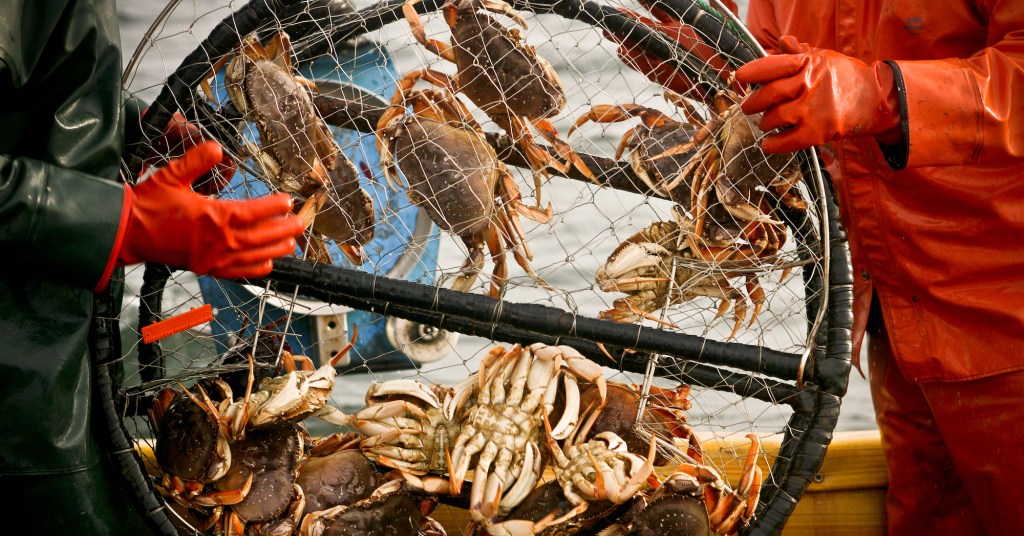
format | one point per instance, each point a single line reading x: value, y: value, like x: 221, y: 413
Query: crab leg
x: 227, y: 497
x: 440, y: 48
x: 500, y: 272
x: 411, y: 388
x: 570, y: 415
x: 528, y: 477
x: 480, y: 476
x: 475, y: 243
x: 564, y: 150
x: 495, y: 485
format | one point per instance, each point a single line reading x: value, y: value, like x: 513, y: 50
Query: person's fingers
x: 250, y: 256
x: 195, y: 163
x: 247, y: 212
x: 773, y: 94
x: 259, y: 269
x: 787, y: 141
x: 265, y: 232
x: 771, y: 68
x: 789, y: 44
x: 782, y: 116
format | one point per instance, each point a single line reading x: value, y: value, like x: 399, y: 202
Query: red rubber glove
x: 822, y: 96
x: 659, y: 71
x: 169, y: 223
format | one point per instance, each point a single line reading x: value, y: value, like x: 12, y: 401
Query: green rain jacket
x: 60, y: 207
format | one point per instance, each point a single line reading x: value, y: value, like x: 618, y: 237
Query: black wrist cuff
x: 897, y: 155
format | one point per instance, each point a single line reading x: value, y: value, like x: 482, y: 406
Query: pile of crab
x: 537, y: 407
x: 725, y: 229
x: 727, y: 195
x: 246, y: 465
x: 726, y: 191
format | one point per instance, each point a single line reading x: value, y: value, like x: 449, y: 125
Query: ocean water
x: 580, y: 55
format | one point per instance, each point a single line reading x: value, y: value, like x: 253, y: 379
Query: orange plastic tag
x: 176, y: 324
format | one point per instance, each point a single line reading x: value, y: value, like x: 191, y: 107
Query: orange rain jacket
x: 941, y: 241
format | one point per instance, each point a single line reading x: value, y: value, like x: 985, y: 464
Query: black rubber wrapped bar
x: 701, y: 374
x: 366, y: 20
x: 541, y: 319
x: 105, y: 348
x: 605, y: 17
x: 710, y: 29
x: 816, y: 408
x: 224, y: 37
x: 151, y: 357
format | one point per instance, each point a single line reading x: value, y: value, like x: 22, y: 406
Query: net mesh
x: 723, y: 250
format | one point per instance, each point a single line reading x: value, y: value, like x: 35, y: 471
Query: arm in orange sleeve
x: 969, y: 111
x: 762, y: 22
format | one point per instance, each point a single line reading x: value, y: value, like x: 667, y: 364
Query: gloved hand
x: 180, y: 135
x: 659, y: 71
x: 822, y: 96
x: 169, y: 223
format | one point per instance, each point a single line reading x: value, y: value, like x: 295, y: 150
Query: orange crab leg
x: 227, y: 497
x: 348, y: 347
x: 624, y: 142
x: 520, y: 252
x: 689, y: 111
x: 613, y: 113
x: 599, y: 488
x: 756, y: 294
x: 475, y: 243
x: 503, y: 8
x: 639, y: 313
x: 547, y: 130
x: 444, y: 50
x: 509, y: 193
x: 234, y: 525
x: 336, y: 442
x: 500, y: 272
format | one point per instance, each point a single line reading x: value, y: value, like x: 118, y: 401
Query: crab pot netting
x: 371, y: 46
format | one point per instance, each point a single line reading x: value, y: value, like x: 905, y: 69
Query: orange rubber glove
x: 819, y: 96
x: 169, y: 223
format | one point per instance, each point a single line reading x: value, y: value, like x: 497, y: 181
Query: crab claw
x: 634, y: 266
x: 585, y: 368
x: 411, y: 388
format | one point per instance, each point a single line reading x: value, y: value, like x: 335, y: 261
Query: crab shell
x: 339, y: 478
x: 549, y: 498
x: 407, y: 427
x: 747, y: 169
x: 272, y: 456
x: 293, y: 397
x: 675, y: 508
x: 190, y: 444
x: 452, y: 172
x: 619, y: 415
x: 295, y: 141
x: 497, y: 70
x: 347, y: 217
x: 392, y: 510
x: 646, y: 143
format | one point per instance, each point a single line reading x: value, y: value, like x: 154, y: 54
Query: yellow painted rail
x: 846, y: 498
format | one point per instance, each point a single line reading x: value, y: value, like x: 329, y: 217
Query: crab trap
x: 543, y: 254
